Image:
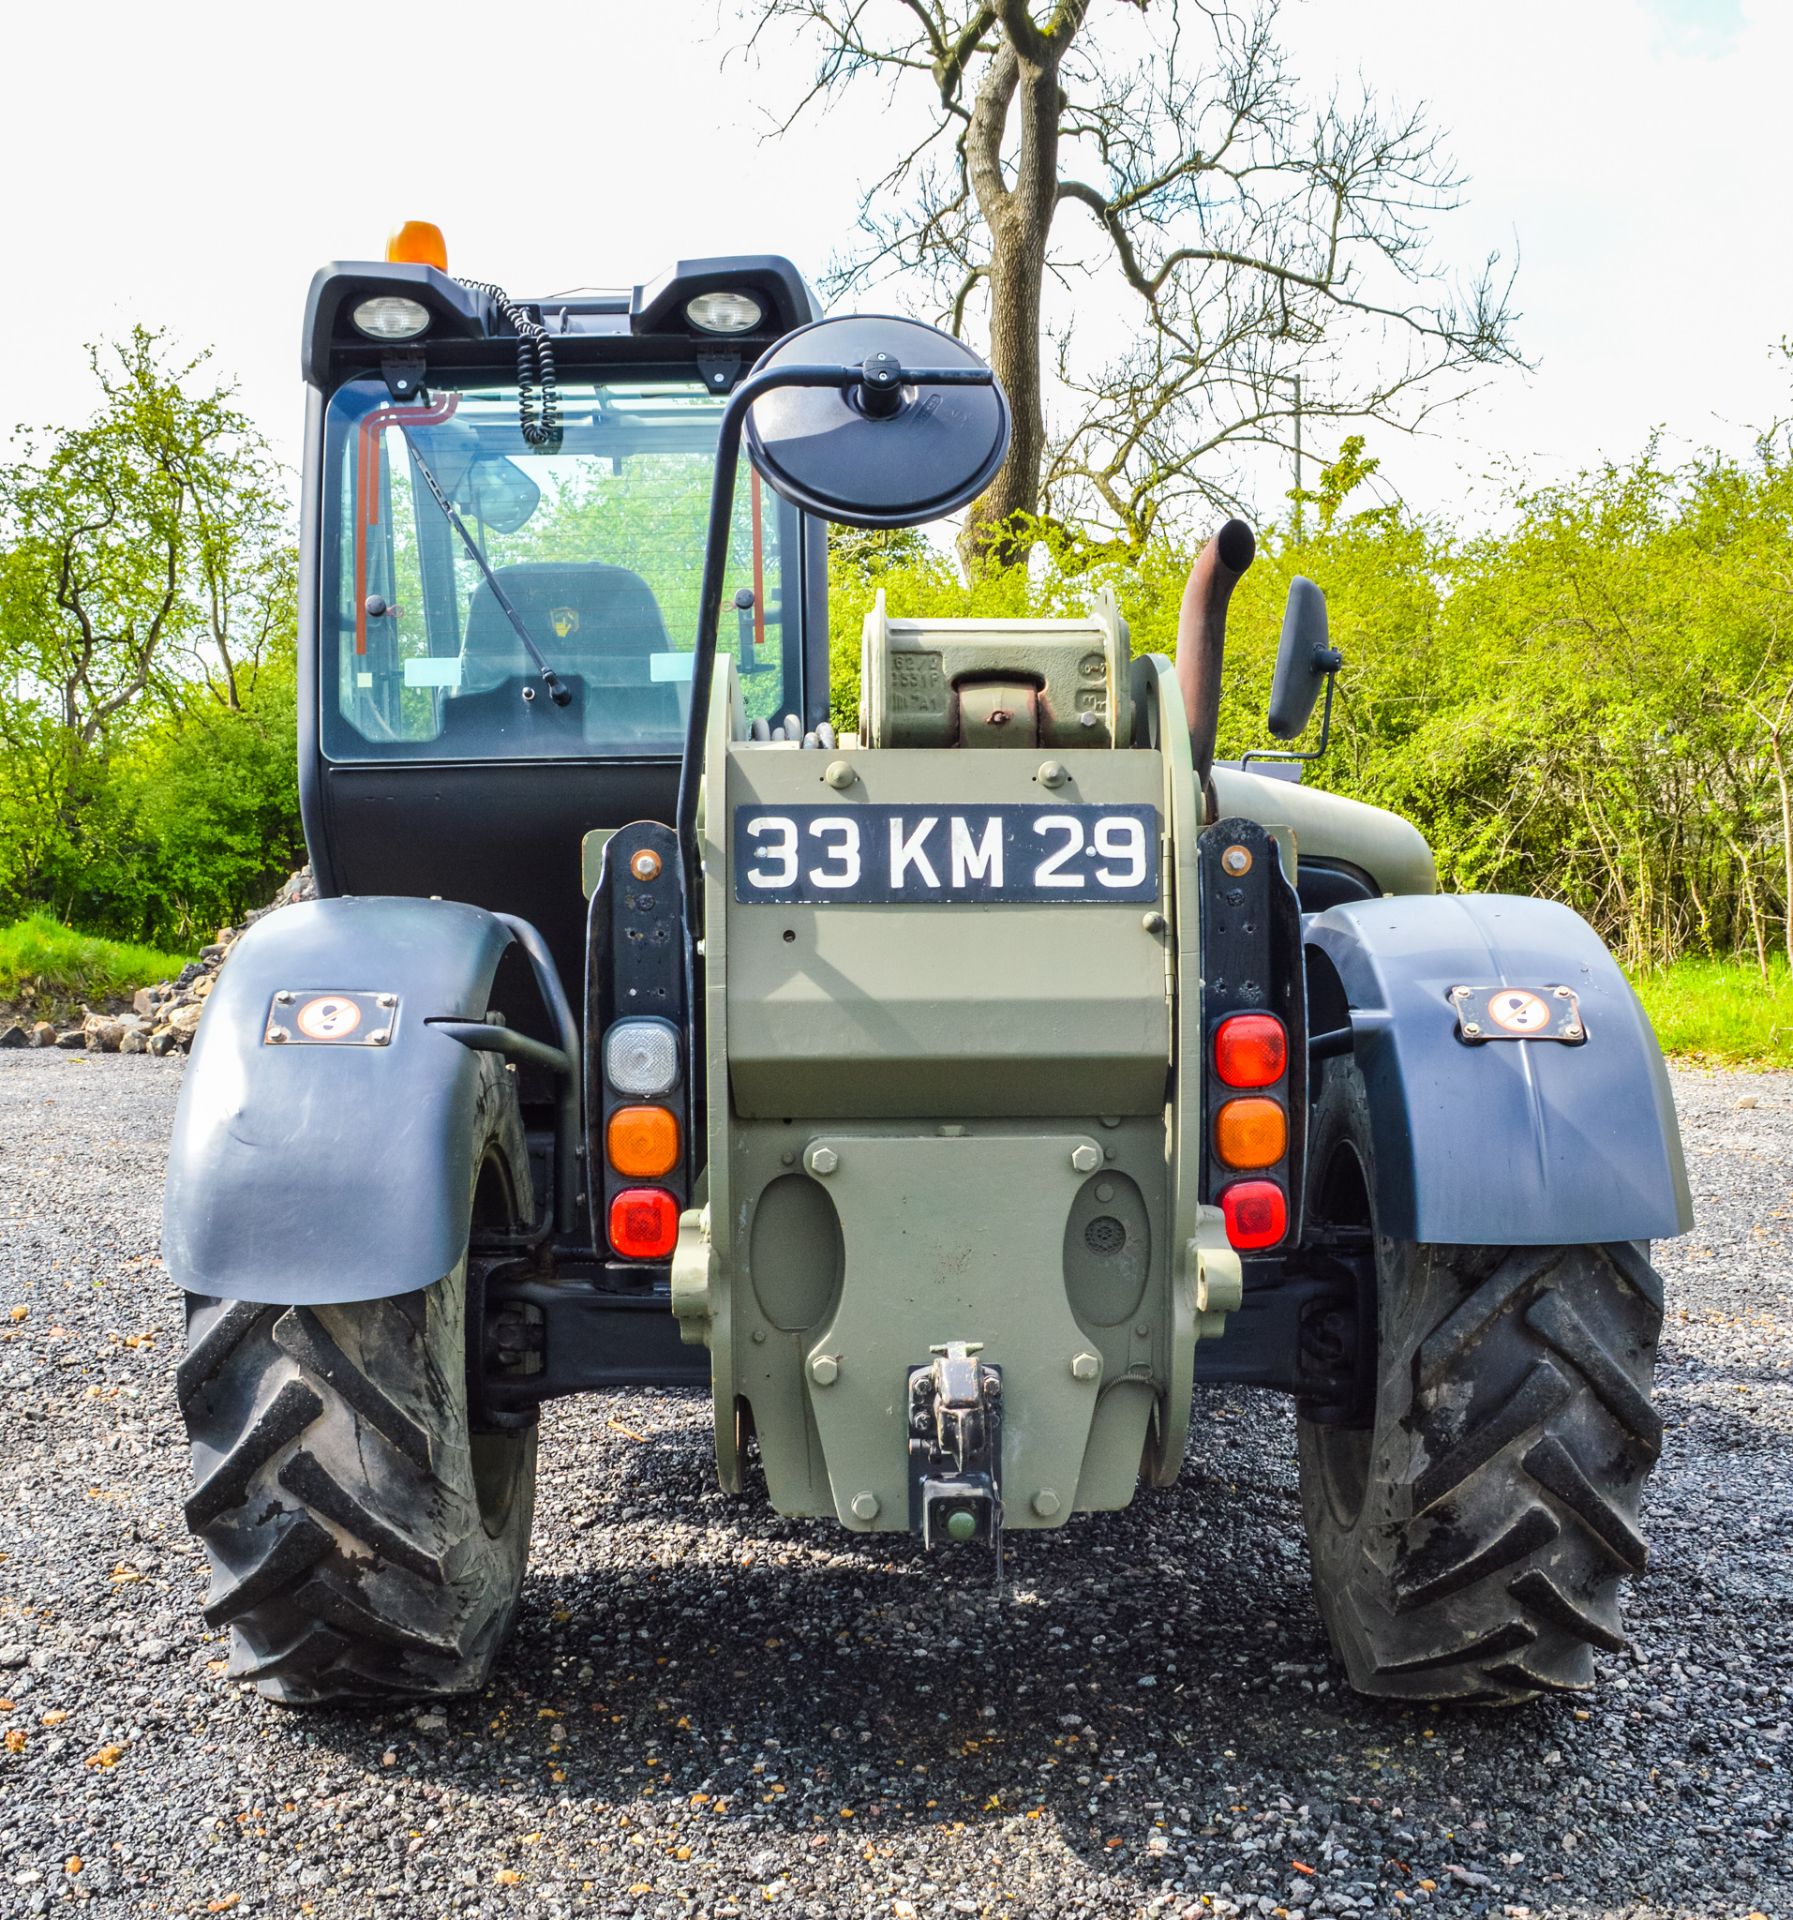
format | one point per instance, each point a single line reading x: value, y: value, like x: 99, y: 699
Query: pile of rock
x: 163, y: 1018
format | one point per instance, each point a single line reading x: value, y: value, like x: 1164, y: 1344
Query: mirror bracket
x: 1328, y: 660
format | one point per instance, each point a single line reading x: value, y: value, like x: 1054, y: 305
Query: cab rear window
x: 457, y: 557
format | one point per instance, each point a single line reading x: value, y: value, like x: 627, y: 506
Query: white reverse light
x: 726, y: 312
x: 390, y: 316
x: 641, y: 1057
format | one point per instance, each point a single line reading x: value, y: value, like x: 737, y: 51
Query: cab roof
x: 645, y: 324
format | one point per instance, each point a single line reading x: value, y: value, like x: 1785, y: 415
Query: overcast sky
x: 190, y: 164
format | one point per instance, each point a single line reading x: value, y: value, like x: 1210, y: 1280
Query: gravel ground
x: 707, y: 1710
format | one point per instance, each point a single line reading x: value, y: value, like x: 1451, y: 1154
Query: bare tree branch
x: 1262, y: 235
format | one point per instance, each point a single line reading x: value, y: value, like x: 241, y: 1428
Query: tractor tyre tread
x: 1501, y: 1482
x: 339, y: 1488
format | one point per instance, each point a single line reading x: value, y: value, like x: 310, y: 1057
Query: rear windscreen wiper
x: 557, y: 688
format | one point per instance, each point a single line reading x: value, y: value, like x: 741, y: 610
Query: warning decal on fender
x: 1517, y: 1013
x: 316, y: 1017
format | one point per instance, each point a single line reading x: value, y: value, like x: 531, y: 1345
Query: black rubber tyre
x: 363, y: 1540
x: 1470, y: 1545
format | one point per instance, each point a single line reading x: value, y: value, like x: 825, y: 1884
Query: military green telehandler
x: 949, y: 1096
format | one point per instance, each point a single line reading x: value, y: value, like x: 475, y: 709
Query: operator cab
x: 451, y: 533
x: 506, y: 508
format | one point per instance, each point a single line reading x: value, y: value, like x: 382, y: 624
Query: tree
x: 146, y: 565
x: 1273, y: 257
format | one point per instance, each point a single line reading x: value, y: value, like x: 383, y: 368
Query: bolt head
x: 1572, y: 1033
x: 821, y: 1161
x: 1152, y: 922
x: 1471, y: 1026
x: 1459, y: 993
x: 277, y: 1036
x: 824, y: 1369
x: 389, y: 999
x: 1085, y: 1366
x: 645, y: 865
x: 840, y: 775
x: 1053, y: 774
x: 1046, y: 1503
x: 1086, y: 1158
x: 1562, y: 993
x: 1236, y: 860
x: 285, y: 999
x: 379, y: 1037
x: 865, y: 1506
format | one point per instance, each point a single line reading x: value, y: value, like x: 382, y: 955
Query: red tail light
x: 1257, y: 1213
x: 644, y: 1223
x: 1251, y: 1050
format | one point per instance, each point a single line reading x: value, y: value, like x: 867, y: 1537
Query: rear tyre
x: 363, y: 1539
x: 1470, y: 1544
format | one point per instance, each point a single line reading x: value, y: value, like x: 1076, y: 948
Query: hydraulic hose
x: 1201, y: 641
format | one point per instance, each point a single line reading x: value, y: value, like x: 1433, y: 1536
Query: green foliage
x: 1721, y: 1011
x: 148, y: 585
x: 56, y: 965
x: 196, y: 820
x: 1588, y: 705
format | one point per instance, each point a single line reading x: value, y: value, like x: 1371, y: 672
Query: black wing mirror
x: 1306, y: 661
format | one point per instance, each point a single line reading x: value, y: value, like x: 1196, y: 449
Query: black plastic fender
x: 301, y: 1174
x: 1509, y: 1142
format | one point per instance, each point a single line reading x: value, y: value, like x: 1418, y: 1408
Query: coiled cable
x: 535, y: 370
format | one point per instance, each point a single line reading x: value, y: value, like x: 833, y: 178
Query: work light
x: 390, y: 316
x: 727, y: 312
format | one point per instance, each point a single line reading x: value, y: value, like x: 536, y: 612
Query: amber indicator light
x: 642, y: 1142
x: 1253, y: 1132
x: 1251, y: 1050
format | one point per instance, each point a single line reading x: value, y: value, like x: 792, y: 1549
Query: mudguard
x: 1511, y: 1142
x: 303, y: 1174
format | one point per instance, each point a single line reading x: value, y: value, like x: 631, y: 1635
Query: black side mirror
x: 1305, y: 660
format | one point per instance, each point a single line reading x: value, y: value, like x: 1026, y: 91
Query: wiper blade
x: 557, y: 689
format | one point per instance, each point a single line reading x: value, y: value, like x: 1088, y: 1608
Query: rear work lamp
x: 390, y: 316
x: 726, y: 312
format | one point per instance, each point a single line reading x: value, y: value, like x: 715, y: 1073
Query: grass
x: 1721, y: 1011
x: 49, y: 970
x: 1713, y: 1010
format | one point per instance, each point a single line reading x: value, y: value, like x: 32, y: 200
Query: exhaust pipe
x: 1201, y: 641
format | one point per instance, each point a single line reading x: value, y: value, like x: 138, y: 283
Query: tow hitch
x: 955, y: 1448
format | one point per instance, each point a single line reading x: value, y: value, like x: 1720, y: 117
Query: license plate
x: 927, y: 856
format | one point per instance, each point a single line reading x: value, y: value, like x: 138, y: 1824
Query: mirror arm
x: 722, y: 503
x: 870, y: 380
x: 1331, y: 660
